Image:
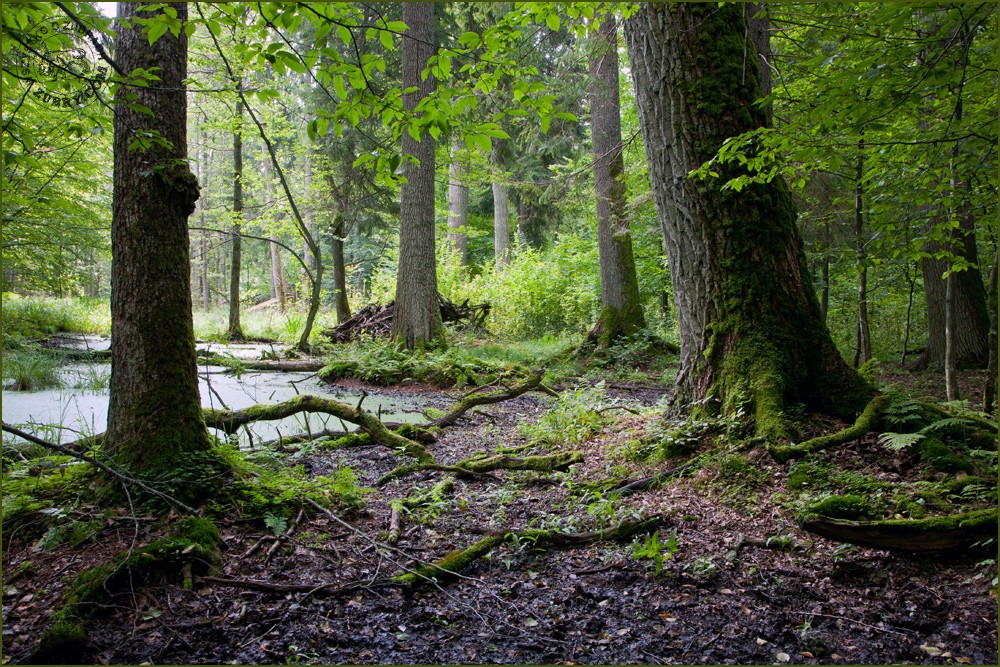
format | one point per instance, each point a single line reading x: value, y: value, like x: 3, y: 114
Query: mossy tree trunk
x: 621, y: 310
x: 417, y: 317
x: 750, y: 325
x: 154, y: 416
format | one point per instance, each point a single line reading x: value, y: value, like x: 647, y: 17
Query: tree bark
x: 621, y: 312
x: 340, y: 302
x: 750, y: 326
x: 990, y: 388
x: 501, y: 210
x: 235, y: 332
x: 863, y: 340
x: 279, y: 283
x: 458, y: 208
x: 154, y: 415
x: 417, y: 318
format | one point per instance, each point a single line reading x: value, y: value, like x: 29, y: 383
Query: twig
x: 851, y: 620
x: 89, y: 459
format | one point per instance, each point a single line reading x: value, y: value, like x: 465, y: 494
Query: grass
x: 31, y: 318
x: 30, y: 368
x: 270, y: 324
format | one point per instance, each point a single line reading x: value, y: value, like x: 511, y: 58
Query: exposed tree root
x: 475, y: 398
x: 628, y: 488
x: 866, y: 422
x: 229, y: 421
x: 456, y: 561
x: 482, y: 466
x: 401, y: 506
x: 945, y: 533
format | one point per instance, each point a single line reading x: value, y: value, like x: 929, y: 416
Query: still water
x: 65, y: 414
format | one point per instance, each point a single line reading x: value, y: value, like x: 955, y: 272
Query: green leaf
x: 344, y: 33
x: 156, y: 30
x: 386, y: 39
x: 552, y: 20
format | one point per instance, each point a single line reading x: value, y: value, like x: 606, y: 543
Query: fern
x: 946, y: 423
x: 901, y: 412
x: 899, y: 441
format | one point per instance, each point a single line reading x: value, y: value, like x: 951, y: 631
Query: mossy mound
x: 193, y: 540
x: 934, y: 453
x: 842, y: 507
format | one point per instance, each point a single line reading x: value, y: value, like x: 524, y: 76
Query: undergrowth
x: 31, y: 318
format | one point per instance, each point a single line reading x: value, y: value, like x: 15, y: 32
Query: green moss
x: 65, y: 643
x: 909, y: 507
x: 337, y: 370
x: 941, y: 457
x: 415, y: 433
x: 348, y: 441
x: 798, y: 479
x: 842, y: 507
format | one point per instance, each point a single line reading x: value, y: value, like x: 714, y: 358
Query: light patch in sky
x: 109, y: 9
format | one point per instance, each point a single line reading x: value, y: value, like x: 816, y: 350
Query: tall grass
x: 26, y: 318
x: 270, y: 324
x: 30, y: 368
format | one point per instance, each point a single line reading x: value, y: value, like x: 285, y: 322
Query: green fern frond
x: 899, y: 441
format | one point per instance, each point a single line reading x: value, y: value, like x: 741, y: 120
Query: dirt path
x: 724, y: 596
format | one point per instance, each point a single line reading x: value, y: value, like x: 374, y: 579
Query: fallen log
x: 476, y: 398
x: 937, y: 534
x: 229, y: 421
x: 457, y: 560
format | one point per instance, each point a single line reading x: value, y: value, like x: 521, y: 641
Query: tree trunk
x: 990, y: 389
x: 235, y: 332
x: 458, y: 209
x: 759, y: 28
x: 621, y: 310
x: 522, y: 219
x: 751, y: 329
x: 203, y: 284
x: 417, y: 318
x: 825, y: 295
x: 154, y: 415
x: 501, y: 210
x: 340, y: 302
x: 863, y: 340
x: 279, y: 283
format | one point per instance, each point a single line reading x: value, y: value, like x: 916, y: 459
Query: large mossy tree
x: 750, y: 325
x: 154, y: 416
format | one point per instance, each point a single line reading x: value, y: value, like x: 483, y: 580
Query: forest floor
x: 724, y: 594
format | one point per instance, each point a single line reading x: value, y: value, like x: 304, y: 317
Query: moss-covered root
x: 399, y: 506
x: 194, y: 545
x: 937, y: 534
x: 866, y: 422
x: 478, y: 467
x: 231, y: 420
x: 475, y: 399
x: 543, y: 463
x: 456, y: 561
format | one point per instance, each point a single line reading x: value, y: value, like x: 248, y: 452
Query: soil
x: 725, y: 595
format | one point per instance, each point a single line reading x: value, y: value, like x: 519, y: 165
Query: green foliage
x: 261, y: 484
x: 49, y: 485
x: 657, y: 554
x: 902, y: 412
x: 30, y: 318
x: 276, y: 524
x: 571, y: 418
x: 30, y: 368
x: 940, y: 456
x: 378, y: 362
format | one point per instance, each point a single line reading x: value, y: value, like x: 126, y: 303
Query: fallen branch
x: 229, y: 421
x: 329, y: 588
x: 474, y: 399
x: 628, y: 488
x: 482, y: 466
x: 400, y: 506
x: 866, y: 422
x: 457, y: 560
x: 91, y: 460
